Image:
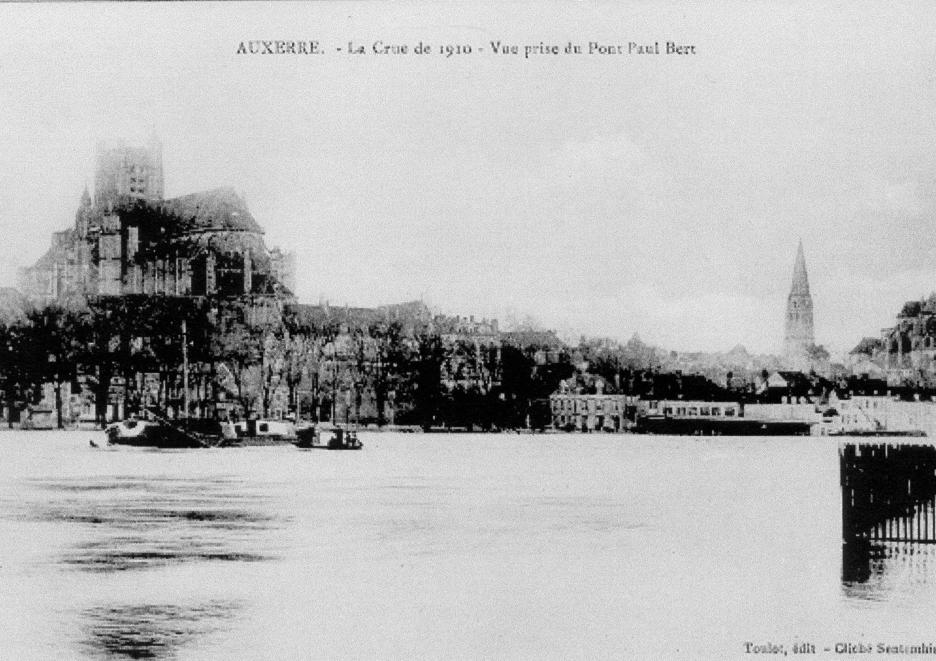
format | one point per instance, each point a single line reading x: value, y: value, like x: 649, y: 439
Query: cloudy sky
x: 604, y: 195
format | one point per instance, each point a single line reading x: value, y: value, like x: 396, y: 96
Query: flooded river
x: 440, y: 547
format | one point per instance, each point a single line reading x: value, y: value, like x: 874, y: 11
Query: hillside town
x: 178, y: 306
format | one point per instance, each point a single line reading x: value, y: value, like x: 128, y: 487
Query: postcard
x: 357, y: 330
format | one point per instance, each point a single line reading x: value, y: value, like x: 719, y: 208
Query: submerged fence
x: 888, y: 492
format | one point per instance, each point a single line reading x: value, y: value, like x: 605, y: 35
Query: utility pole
x: 58, y: 401
x: 58, y: 391
x: 185, y: 392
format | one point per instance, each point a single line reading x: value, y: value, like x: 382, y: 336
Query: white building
x: 587, y: 413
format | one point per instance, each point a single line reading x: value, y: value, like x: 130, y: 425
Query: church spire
x: 800, y: 279
x: 798, y: 337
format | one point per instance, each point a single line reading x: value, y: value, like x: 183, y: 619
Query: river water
x: 439, y: 547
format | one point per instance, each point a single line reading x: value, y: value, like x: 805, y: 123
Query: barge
x: 164, y: 433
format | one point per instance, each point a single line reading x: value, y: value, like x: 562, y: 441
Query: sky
x: 599, y: 194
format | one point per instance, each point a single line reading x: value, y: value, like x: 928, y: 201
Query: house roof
x: 533, y: 338
x: 861, y: 387
x: 318, y: 315
x: 415, y: 309
x: 799, y: 382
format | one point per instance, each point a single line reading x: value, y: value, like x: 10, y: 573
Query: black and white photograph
x: 467, y: 331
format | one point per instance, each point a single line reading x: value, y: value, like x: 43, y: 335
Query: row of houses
x: 852, y: 406
x: 617, y: 413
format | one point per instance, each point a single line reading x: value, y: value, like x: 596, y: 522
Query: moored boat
x: 257, y: 432
x: 315, y: 438
x: 148, y: 433
x: 199, y: 433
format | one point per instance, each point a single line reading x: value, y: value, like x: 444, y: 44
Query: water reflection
x: 885, y: 571
x: 136, y: 524
x: 122, y: 524
x: 861, y: 560
x: 139, y: 553
x: 888, y: 517
x: 150, y: 631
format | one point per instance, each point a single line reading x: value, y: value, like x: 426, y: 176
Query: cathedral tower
x: 126, y: 173
x: 798, y: 336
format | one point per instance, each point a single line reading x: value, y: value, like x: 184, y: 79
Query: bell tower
x: 798, y: 335
x: 126, y: 173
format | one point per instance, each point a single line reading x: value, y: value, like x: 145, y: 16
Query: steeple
x: 798, y: 337
x: 800, y: 279
x: 86, y: 197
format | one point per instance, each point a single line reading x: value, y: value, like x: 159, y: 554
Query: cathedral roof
x: 800, y: 279
x: 61, y: 242
x: 868, y: 345
x: 218, y: 209
x: 222, y: 242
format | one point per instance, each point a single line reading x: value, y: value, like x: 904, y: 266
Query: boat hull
x: 135, y: 433
x: 256, y: 441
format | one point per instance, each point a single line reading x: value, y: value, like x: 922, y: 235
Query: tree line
x: 258, y: 355
x: 255, y: 356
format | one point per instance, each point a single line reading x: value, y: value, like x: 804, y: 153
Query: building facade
x: 907, y: 350
x: 573, y: 411
x: 678, y: 409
